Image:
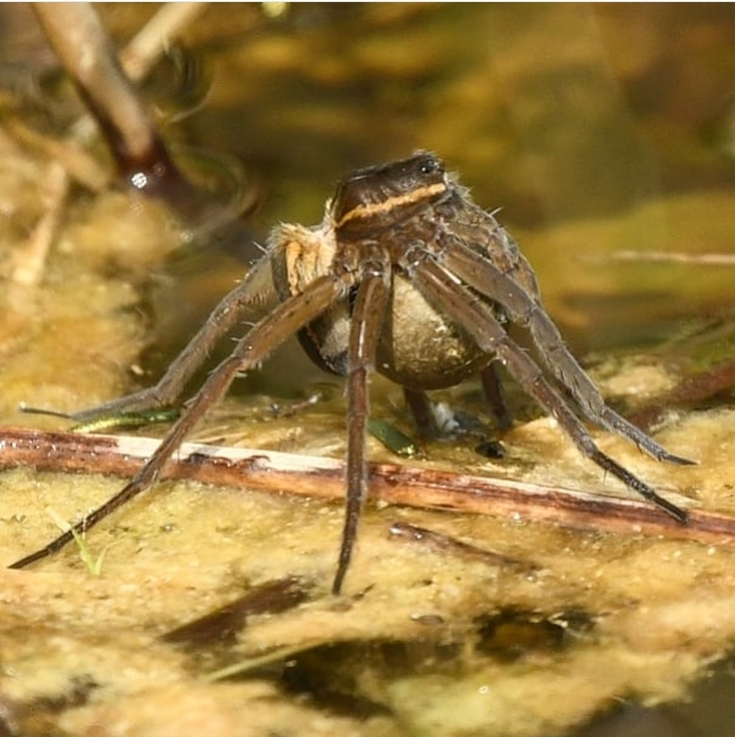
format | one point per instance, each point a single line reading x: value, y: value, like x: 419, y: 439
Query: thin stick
x: 79, y: 164
x: 318, y: 477
x: 152, y: 41
x: 80, y: 41
x: 673, y: 257
x: 87, y: 55
x: 30, y: 259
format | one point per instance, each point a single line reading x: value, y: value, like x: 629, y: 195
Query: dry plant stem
x: 86, y: 53
x: 142, y: 53
x: 688, y: 393
x: 88, y: 56
x: 318, y: 477
x: 222, y: 625
x: 83, y: 47
x: 30, y: 258
x: 436, y: 541
x: 137, y: 60
x: 701, y: 259
x: 79, y: 165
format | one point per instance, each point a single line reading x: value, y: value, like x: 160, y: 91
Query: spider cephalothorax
x: 406, y: 276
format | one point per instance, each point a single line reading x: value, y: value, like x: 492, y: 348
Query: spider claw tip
x: 679, y: 460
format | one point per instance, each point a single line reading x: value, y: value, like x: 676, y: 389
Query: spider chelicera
x: 407, y: 276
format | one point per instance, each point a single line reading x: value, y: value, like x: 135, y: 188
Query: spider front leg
x: 526, y: 310
x: 476, y: 316
x: 261, y: 340
x: 167, y: 392
x: 367, y: 320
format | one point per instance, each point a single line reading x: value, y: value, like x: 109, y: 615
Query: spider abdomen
x: 420, y: 348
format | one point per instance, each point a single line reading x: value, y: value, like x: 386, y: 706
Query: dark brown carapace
x: 406, y: 276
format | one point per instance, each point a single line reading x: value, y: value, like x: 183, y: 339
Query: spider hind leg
x: 477, y: 317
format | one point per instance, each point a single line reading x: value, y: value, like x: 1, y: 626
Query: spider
x: 406, y: 276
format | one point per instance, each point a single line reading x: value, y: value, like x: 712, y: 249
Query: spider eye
x: 430, y: 166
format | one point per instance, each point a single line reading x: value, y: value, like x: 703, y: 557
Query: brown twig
x: 81, y: 166
x: 223, y: 624
x: 147, y: 47
x: 433, y: 540
x: 699, y: 259
x: 324, y: 478
x: 84, y: 49
x: 30, y: 260
x: 80, y: 41
x: 690, y: 391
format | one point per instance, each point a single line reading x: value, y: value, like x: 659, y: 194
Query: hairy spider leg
x: 420, y: 407
x: 225, y: 316
x: 269, y: 333
x: 365, y: 327
x: 492, y: 388
x: 483, y: 277
x: 476, y: 316
x: 423, y: 414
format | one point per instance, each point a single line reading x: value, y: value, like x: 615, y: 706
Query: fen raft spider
x: 407, y: 276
